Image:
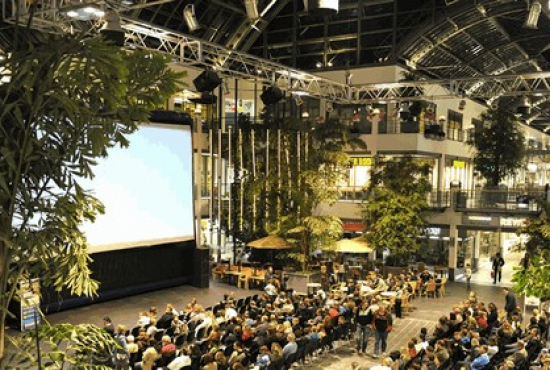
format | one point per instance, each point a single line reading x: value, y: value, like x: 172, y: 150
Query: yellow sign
x: 361, y: 161
x: 459, y: 164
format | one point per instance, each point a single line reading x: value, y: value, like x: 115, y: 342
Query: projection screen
x: 147, y: 190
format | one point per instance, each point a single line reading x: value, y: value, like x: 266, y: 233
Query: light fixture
x: 532, y: 167
x: 305, y: 115
x: 298, y: 99
x: 462, y: 104
x: 481, y: 9
x: 318, y: 64
x: 226, y: 87
x: 252, y: 9
x: 524, y: 106
x: 329, y: 107
x: 441, y: 120
x: 322, y: 7
x: 190, y: 18
x: 85, y: 12
x: 533, y: 15
x: 112, y: 30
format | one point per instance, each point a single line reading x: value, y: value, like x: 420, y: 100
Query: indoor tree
x: 68, y: 100
x: 289, y: 170
x: 395, y: 201
x: 499, y: 146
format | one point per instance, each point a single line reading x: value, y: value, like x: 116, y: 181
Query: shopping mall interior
x: 203, y: 191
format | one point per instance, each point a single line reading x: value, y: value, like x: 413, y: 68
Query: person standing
x: 498, y: 262
x: 468, y: 276
x: 510, y: 304
x: 363, y: 320
x: 382, y: 325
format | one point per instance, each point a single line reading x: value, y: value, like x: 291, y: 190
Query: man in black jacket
x: 363, y: 319
x: 510, y: 304
x: 498, y: 262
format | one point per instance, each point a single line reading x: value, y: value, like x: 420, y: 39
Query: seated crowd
x: 478, y: 337
x: 279, y: 328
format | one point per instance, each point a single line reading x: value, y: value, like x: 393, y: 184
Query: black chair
x: 190, y: 336
x: 277, y: 365
x: 290, y: 360
x: 186, y: 367
x: 247, y: 301
x: 180, y: 341
x: 170, y: 332
x: 158, y: 335
x: 240, y: 302
x: 200, y: 333
x: 135, y: 331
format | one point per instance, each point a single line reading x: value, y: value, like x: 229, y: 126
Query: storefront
x: 481, y: 237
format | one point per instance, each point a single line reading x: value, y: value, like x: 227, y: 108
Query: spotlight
x: 534, y: 15
x: 322, y: 7
x: 462, y: 104
x: 207, y: 81
x: 524, y: 106
x: 430, y: 109
x: 298, y: 99
x: 329, y: 107
x: 252, y: 9
x: 271, y: 95
x: 112, y: 30
x: 226, y: 87
x: 190, y: 18
x: 305, y: 115
x: 441, y: 120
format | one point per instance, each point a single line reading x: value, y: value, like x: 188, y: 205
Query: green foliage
x: 63, y: 346
x: 534, y: 280
x: 70, y: 99
x: 395, y: 201
x: 499, y: 146
x: 307, y: 161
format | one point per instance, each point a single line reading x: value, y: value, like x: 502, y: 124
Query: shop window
x: 454, y: 126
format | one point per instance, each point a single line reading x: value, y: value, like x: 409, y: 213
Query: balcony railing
x: 498, y: 200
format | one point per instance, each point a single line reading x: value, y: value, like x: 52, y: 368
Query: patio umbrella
x: 270, y: 242
x: 355, y: 245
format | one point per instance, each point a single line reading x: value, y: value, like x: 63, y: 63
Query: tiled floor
x: 428, y: 310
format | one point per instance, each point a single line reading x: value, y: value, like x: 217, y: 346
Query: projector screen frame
x: 146, y: 243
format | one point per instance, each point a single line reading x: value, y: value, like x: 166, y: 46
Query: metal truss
x: 190, y: 51
x: 484, y: 87
x: 50, y: 15
x: 194, y: 52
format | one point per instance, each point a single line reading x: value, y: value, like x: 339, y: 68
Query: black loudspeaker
x: 272, y: 95
x: 201, y: 268
x: 206, y: 98
x: 207, y: 81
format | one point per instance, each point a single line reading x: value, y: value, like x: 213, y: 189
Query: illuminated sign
x: 361, y: 161
x: 459, y: 164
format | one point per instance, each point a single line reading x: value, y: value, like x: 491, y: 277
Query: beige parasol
x: 270, y: 242
x: 355, y: 245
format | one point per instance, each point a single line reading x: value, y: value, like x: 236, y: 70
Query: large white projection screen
x: 146, y: 189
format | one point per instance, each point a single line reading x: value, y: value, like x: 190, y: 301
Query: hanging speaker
x: 272, y: 95
x: 206, y: 98
x: 207, y: 81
